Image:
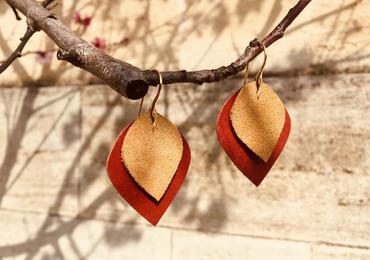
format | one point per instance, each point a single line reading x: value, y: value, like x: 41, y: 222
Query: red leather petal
x: 134, y: 195
x: 247, y: 162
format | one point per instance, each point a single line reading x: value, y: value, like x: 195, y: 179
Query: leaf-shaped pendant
x: 148, y: 165
x: 253, y: 130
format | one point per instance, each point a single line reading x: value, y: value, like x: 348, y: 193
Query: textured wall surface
x: 56, y: 201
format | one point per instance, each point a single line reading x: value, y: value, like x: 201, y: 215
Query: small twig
x: 46, y: 4
x: 31, y: 29
x: 16, y: 13
x: 253, y: 49
x: 18, y: 51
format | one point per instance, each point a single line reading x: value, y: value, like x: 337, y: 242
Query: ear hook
x: 258, y: 78
x: 246, y: 74
x: 153, y: 113
x: 141, y: 106
x: 260, y: 72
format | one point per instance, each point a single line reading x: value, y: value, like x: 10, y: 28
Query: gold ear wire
x: 259, y: 75
x: 153, y: 113
x: 260, y: 72
x: 246, y: 74
x: 141, y: 106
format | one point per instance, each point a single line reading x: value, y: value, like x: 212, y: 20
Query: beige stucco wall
x: 56, y: 201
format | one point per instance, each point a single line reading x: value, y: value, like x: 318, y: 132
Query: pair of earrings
x: 150, y: 158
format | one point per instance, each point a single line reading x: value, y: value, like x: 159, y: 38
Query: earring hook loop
x: 260, y: 72
x: 246, y: 74
x: 259, y: 75
x: 141, y: 106
x: 153, y: 112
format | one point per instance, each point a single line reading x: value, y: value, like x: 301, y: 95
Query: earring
x: 149, y: 162
x: 253, y: 127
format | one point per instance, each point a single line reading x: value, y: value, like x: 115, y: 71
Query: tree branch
x: 126, y: 79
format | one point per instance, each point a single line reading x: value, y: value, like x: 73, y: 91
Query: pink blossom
x: 84, y: 21
x: 77, y: 17
x: 99, y: 42
x: 87, y: 21
x: 43, y: 57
